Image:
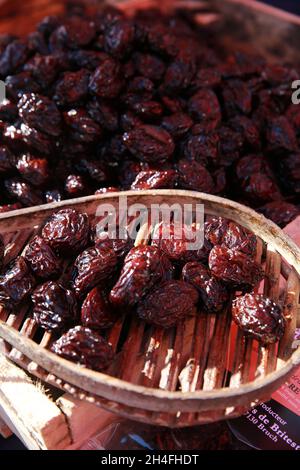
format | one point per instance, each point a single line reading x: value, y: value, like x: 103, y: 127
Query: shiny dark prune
x: 118, y: 37
x: 67, y: 231
x: 281, y: 135
x: 149, y: 143
x: 154, y: 179
x: 44, y: 69
x: 84, y: 346
x: 202, y: 147
x: 72, y: 87
x: 234, y: 267
x: 280, y: 212
x: 52, y: 195
x: 215, y: 230
x: 95, y: 169
x: 213, y: 294
x: 13, y: 57
x: 106, y: 82
x: 23, y: 192
x: 121, y: 246
x: 37, y: 140
x: 33, y: 169
x: 20, y: 83
x: 148, y: 110
x: 93, y: 266
x: 181, y: 243
x: 168, y: 303
x: 237, y: 97
x: 104, y: 114
x: 249, y: 130
x: 54, y: 307
x: 204, y: 107
x: 84, y: 129
x: 143, y: 267
x: 192, y: 175
x: 76, y: 32
x: 7, y: 159
x: 41, y: 259
x: 259, y: 317
x: 16, y: 283
x: 41, y: 113
x: 96, y: 311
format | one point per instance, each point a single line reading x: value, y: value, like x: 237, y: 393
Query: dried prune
x: 248, y: 129
x: 44, y: 69
x: 67, y: 231
x: 148, y: 110
x: 37, y: 140
x: 72, y: 87
x: 193, y: 175
x: 289, y: 172
x: 118, y: 37
x: 144, y: 266
x: 75, y: 185
x: 280, y: 212
x: 237, y: 97
x: 16, y: 283
x: 94, y: 265
x: 84, y: 346
x: 168, y: 303
x: 33, y: 169
x: 234, y: 267
x: 54, y: 307
x: 259, y: 317
x: 230, y: 145
x: 149, y: 143
x: 21, y: 83
x: 84, y: 129
x: 202, y: 147
x: 204, y: 107
x: 213, y: 294
x: 104, y: 114
x: 76, y: 32
x: 41, y: 259
x: 96, y: 311
x: 181, y: 242
x: 220, y: 231
x: 95, y: 169
x: 281, y: 135
x: 154, y: 179
x: 106, y: 81
x: 52, y: 195
x: 177, y: 124
x: 41, y: 113
x: 121, y: 246
x: 149, y: 66
x: 23, y: 192
x: 13, y: 57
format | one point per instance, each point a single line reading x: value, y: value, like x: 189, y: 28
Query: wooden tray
x: 183, y: 370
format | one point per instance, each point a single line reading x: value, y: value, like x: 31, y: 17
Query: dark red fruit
x: 177, y: 124
x: 144, y: 266
x: 281, y: 135
x: 192, y: 175
x: 154, y: 179
x: 106, y: 81
x: 181, y: 242
x: 149, y: 143
x: 204, y: 107
x: 41, y: 259
x: 72, y: 87
x: 259, y: 317
x: 169, y: 303
x: 280, y: 212
x: 120, y: 246
x: 85, y: 347
x: 16, y: 283
x: 7, y: 159
x: 75, y: 186
x: 33, y: 169
x: 213, y: 294
x: 54, y: 307
x: 67, y: 231
x: 23, y: 192
x: 93, y: 266
x: 234, y: 267
x: 96, y: 311
x: 41, y: 113
x: 84, y: 129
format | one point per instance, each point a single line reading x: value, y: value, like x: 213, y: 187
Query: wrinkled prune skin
x: 259, y: 318
x: 214, y: 295
x: 67, y: 231
x: 84, y: 129
x: 84, y: 346
x: 106, y: 82
x: 144, y: 266
x: 234, y: 268
x: 149, y: 143
x: 96, y: 311
x: 280, y: 212
x: 154, y: 179
x: 177, y: 124
x: 204, y: 107
x: 176, y: 244
x: 16, y: 284
x: 42, y: 260
x: 54, y: 307
x: 93, y: 266
x: 168, y: 303
x: 120, y: 246
x: 72, y: 87
x: 192, y: 175
x: 220, y: 231
x: 40, y: 112
x: 23, y: 192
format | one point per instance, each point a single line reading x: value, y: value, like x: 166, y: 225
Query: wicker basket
x: 177, y: 377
